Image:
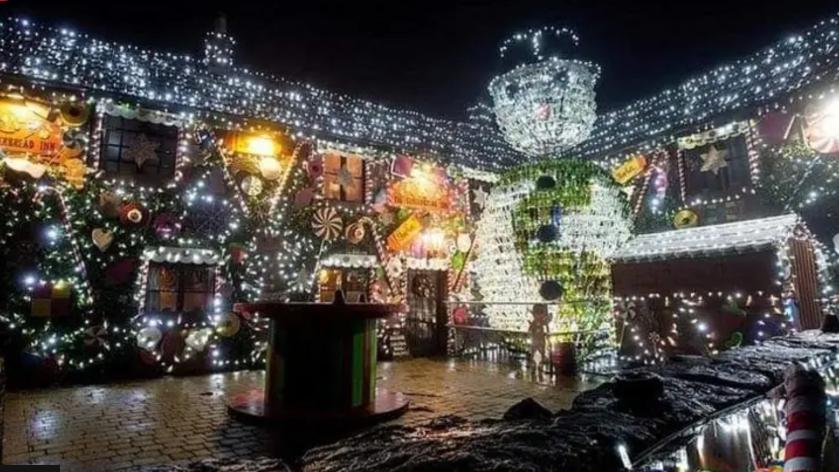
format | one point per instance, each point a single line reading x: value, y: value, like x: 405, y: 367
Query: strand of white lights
x: 764, y: 413
x: 599, y: 228
x: 686, y: 303
x: 642, y: 192
x: 546, y: 104
x: 66, y: 216
x: 767, y: 76
x: 499, y: 273
x: 53, y: 55
x: 64, y: 56
x: 707, y: 240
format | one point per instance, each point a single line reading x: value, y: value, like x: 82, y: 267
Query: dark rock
x: 724, y: 374
x: 689, y: 359
x: 585, y: 438
x: 514, y: 447
x: 527, y: 409
x: 830, y: 324
x: 639, y: 389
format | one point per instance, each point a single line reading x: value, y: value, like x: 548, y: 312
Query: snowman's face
x: 545, y: 107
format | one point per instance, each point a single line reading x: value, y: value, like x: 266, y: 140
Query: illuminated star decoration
x: 345, y: 177
x: 480, y: 197
x: 714, y: 160
x: 141, y: 150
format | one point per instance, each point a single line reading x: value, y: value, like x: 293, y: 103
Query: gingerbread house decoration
x: 712, y: 287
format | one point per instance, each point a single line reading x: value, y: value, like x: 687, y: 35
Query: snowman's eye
x: 511, y: 90
x: 561, y: 77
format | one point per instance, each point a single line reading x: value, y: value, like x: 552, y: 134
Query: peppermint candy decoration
x: 95, y: 336
x: 73, y: 139
x: 327, y: 224
x: 355, y: 233
x: 822, y: 132
x: 626, y: 311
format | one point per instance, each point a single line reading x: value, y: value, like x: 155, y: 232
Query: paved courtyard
x: 173, y: 419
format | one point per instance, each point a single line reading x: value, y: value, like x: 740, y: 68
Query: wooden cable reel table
x: 321, y: 365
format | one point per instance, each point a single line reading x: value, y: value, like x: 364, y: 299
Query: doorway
x: 425, y: 326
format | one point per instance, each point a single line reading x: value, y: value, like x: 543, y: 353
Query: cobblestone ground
x: 174, y: 419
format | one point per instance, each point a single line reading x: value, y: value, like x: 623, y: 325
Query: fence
x: 555, y: 352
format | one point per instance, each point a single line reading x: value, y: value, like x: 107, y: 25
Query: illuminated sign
x: 252, y: 144
x: 629, y: 169
x: 25, y: 129
x: 404, y: 234
x: 426, y: 189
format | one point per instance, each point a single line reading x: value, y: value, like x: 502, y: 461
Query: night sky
x: 436, y: 56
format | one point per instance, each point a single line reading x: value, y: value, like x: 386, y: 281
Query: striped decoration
x: 805, y: 416
x: 806, y: 283
x: 322, y: 367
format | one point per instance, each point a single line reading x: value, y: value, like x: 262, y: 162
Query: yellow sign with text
x: 404, y: 234
x: 630, y: 169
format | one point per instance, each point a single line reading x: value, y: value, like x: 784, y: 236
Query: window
x: 716, y: 170
x: 179, y: 287
x: 139, y: 151
x: 343, y: 178
x: 352, y: 281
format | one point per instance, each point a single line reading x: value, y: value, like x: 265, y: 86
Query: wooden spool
x: 321, y: 363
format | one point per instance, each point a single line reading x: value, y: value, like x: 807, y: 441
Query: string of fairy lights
x: 761, y: 423
x: 646, y: 333
x: 65, y: 56
x: 221, y: 91
x: 150, y: 229
x: 782, y: 71
x: 108, y: 324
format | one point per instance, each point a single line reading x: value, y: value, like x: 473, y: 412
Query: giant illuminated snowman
x: 549, y: 226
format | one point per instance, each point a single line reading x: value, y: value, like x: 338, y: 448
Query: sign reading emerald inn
x: 32, y: 144
x: 25, y: 129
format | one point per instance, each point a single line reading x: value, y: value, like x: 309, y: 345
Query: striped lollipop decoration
x: 327, y: 224
x: 823, y: 129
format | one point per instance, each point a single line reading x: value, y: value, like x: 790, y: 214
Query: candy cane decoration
x: 805, y: 415
x: 71, y: 233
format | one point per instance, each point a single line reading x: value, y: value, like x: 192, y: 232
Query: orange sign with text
x: 423, y: 190
x: 25, y: 129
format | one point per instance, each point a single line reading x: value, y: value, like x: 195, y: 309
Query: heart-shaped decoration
x: 102, y: 238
